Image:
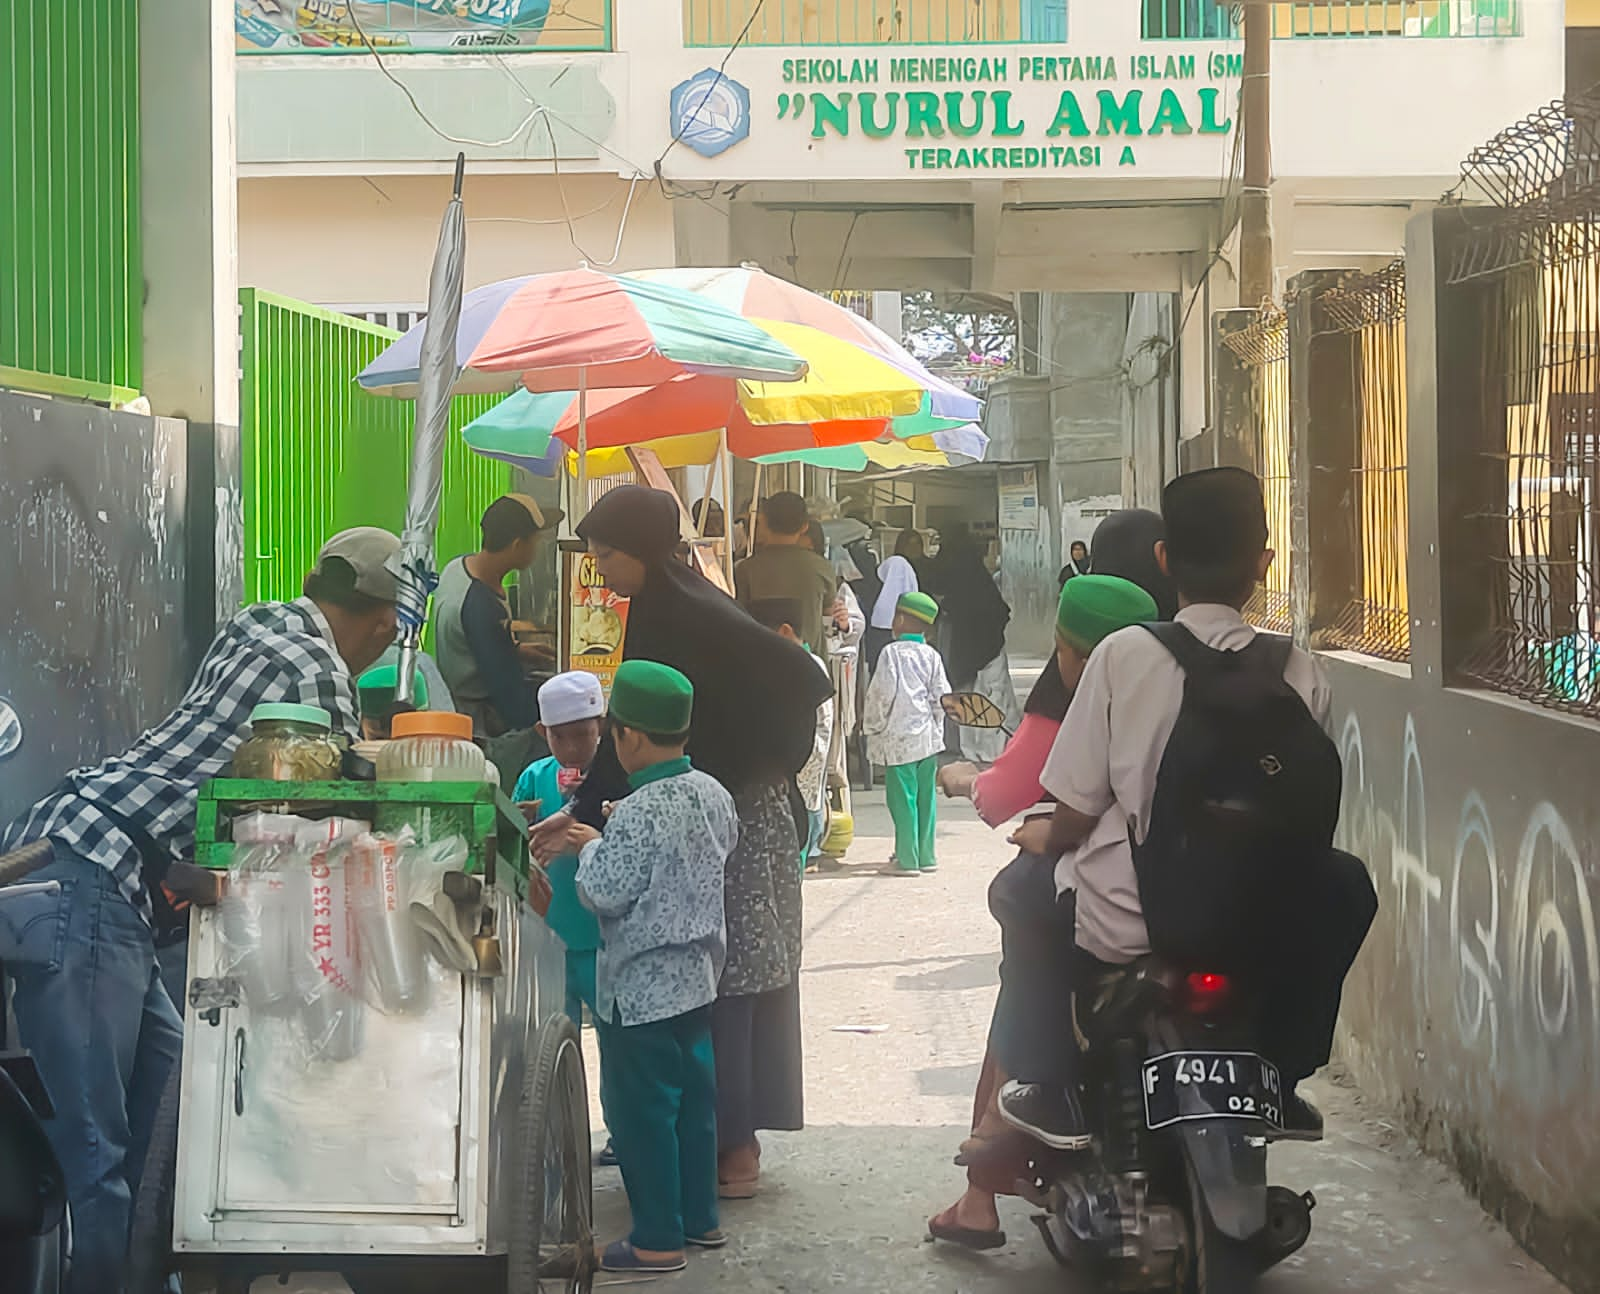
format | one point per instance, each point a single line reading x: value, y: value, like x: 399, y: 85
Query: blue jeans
x: 90, y: 1007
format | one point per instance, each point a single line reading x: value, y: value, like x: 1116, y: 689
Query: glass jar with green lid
x: 289, y: 743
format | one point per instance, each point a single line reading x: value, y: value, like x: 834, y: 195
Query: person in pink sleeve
x: 995, y: 1154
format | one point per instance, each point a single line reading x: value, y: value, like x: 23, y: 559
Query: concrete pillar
x: 702, y: 234
x: 188, y: 234
x: 1081, y: 338
x: 1454, y: 534
x: 1231, y: 399
x: 1324, y: 526
x: 886, y: 313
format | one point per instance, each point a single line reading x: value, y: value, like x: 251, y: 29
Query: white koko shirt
x: 903, y: 720
x: 1105, y: 760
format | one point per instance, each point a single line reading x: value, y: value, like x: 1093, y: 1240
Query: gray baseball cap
x: 373, y: 553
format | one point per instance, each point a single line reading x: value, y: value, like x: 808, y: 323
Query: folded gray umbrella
x: 436, y: 382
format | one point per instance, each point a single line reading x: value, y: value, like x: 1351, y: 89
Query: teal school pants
x: 580, y: 984
x: 912, y: 798
x: 658, y: 1086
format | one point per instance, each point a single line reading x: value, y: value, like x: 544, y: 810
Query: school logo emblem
x: 710, y: 112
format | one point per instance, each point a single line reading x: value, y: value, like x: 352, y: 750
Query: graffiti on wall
x: 1485, y: 966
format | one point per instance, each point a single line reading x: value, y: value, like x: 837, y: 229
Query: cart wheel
x: 150, y: 1238
x: 552, y: 1229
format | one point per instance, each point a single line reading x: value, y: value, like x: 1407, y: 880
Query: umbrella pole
x: 755, y: 503
x: 725, y: 475
x: 583, y: 443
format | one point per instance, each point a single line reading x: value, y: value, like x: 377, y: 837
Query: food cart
x: 445, y: 1140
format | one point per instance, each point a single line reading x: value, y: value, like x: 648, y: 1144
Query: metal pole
x: 583, y: 443
x: 1255, y: 120
x: 725, y: 479
x: 755, y: 504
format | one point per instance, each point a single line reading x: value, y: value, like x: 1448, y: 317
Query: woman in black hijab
x: 972, y: 614
x: 755, y: 716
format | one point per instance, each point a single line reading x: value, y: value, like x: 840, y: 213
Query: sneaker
x: 1046, y: 1112
x: 1302, y: 1121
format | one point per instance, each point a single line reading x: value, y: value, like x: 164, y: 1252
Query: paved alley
x: 845, y: 1202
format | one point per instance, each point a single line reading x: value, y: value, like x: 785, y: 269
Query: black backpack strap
x: 1273, y: 652
x: 1192, y: 655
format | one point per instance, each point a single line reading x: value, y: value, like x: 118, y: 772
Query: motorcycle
x: 1173, y: 1194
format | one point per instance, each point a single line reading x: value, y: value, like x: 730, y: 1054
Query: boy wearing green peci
x: 655, y: 881
x: 904, y: 725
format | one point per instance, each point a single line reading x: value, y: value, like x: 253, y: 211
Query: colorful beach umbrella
x: 954, y: 448
x: 848, y: 394
x: 751, y: 292
x: 580, y: 328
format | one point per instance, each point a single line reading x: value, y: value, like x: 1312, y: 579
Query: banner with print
x: 431, y: 26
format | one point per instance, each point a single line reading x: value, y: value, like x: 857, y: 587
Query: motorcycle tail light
x: 1207, y: 991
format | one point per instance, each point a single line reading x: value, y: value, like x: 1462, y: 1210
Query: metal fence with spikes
x: 1523, y: 280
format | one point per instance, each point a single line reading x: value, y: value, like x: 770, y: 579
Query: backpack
x: 1247, y: 791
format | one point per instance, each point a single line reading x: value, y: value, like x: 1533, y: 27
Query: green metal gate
x: 320, y: 454
x: 71, y: 282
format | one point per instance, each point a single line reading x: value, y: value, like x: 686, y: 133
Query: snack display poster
x: 594, y: 619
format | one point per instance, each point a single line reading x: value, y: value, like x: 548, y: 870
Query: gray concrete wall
x: 1475, y: 1007
x: 94, y: 537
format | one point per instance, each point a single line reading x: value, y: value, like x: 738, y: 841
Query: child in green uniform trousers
x: 904, y: 725
x: 654, y: 879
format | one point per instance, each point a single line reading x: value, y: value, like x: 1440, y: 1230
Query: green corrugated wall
x: 320, y: 454
x: 70, y: 275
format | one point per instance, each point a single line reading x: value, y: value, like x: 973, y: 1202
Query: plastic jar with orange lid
x: 430, y: 746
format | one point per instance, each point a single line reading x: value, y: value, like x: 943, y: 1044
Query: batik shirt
x: 903, y: 720
x: 274, y: 652
x: 654, y: 879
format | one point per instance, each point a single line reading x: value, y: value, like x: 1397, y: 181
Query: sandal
x: 739, y: 1188
x: 711, y: 1240
x: 966, y: 1237
x: 620, y: 1256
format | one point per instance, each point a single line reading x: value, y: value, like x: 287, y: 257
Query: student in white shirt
x: 904, y: 726
x: 1103, y: 769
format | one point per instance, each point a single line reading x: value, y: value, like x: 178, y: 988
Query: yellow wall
x: 1583, y: 13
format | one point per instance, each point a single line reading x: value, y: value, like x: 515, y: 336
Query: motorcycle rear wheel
x: 1213, y: 1263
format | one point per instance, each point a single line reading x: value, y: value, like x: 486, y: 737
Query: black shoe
x: 606, y: 1157
x: 1046, y: 1112
x: 1302, y: 1121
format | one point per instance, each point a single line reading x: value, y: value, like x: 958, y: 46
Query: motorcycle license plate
x: 1185, y: 1085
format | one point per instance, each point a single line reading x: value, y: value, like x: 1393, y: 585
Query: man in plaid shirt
x: 88, y: 997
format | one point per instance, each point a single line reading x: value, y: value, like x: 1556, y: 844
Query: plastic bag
x: 328, y: 974
x: 433, y: 914
x: 259, y: 922
x: 390, y: 945
x: 323, y: 919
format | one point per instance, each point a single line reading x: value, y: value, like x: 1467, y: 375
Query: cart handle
x: 22, y: 863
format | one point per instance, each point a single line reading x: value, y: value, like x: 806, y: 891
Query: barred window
x: 1364, y: 315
